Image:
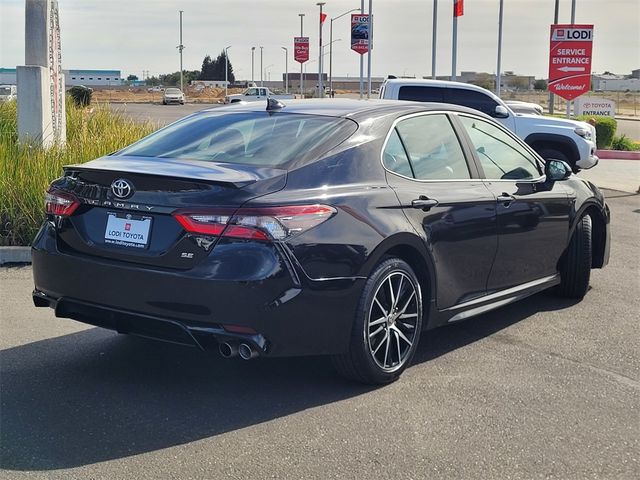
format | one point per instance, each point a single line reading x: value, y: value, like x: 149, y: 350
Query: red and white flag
x: 323, y: 17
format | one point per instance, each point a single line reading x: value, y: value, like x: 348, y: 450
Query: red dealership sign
x: 360, y: 33
x: 570, y: 60
x: 301, y: 49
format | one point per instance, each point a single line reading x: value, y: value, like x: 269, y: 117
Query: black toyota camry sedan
x: 333, y: 227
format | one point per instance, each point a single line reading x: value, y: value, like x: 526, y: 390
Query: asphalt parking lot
x: 546, y: 388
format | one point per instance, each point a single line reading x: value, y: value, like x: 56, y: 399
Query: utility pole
x: 499, y: 67
x: 454, y: 49
x: 253, y: 51
x: 301, y: 15
x: 286, y: 69
x: 434, y: 39
x: 261, y: 71
x: 180, y: 48
x: 320, y: 87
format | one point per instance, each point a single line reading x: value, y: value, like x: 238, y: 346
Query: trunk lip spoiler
x: 190, y: 170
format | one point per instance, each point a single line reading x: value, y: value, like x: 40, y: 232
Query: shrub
x: 28, y: 170
x: 624, y: 143
x: 605, y: 128
x: 81, y: 95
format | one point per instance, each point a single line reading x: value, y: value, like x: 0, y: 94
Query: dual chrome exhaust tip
x: 244, y: 350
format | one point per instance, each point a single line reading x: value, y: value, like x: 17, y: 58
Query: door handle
x: 424, y: 203
x: 505, y: 199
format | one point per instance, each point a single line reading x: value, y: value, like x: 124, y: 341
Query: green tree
x: 540, y: 84
x: 132, y: 78
x: 214, y: 69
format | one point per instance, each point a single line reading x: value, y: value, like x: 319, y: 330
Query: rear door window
x: 433, y: 147
x: 421, y: 93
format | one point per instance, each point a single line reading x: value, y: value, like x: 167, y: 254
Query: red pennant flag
x: 323, y: 17
x: 458, y: 8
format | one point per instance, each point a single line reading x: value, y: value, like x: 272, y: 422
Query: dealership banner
x: 458, y: 8
x: 360, y: 33
x: 301, y: 49
x: 570, y: 60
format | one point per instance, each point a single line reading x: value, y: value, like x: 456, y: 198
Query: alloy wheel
x: 392, y: 322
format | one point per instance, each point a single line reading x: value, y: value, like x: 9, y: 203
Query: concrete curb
x: 617, y: 155
x: 15, y: 255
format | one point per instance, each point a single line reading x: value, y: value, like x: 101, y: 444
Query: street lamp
x: 253, y: 51
x: 320, y: 87
x: 226, y: 71
x: 286, y: 69
x: 266, y: 70
x: 331, y: 46
x: 261, y: 78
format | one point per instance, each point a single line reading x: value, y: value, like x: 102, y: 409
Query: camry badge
x: 121, y: 188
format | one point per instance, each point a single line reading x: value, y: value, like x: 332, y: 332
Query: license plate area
x: 127, y: 230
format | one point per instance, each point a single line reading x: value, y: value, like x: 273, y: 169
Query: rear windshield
x: 250, y: 138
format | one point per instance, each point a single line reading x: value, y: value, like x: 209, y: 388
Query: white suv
x: 568, y: 140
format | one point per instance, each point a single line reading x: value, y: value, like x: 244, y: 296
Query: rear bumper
x: 291, y: 314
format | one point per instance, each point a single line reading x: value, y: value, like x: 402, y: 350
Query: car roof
x: 357, y: 110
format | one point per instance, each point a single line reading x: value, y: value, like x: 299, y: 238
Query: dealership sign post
x: 570, y: 60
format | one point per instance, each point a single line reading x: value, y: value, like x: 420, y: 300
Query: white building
x: 93, y: 78
x: 615, y: 83
x: 89, y: 78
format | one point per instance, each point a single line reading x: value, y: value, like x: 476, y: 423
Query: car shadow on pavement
x: 94, y: 396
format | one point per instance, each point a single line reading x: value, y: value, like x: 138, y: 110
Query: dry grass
x: 26, y: 171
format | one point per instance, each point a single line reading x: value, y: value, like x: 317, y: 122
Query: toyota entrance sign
x: 301, y: 49
x: 570, y: 60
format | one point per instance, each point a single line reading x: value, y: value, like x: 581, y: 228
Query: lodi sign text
x: 570, y: 60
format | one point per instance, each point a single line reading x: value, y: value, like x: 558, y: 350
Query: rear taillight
x: 270, y: 223
x: 59, y: 203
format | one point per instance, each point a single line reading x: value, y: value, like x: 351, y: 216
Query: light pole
x: 253, y: 51
x: 261, y: 78
x: 286, y: 69
x: 320, y: 86
x: 370, y: 37
x: 499, y: 66
x: 331, y: 46
x: 180, y: 48
x: 434, y: 39
x: 226, y: 71
x: 301, y: 15
x: 266, y: 71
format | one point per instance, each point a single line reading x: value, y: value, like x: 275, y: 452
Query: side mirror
x: 501, y: 112
x: 556, y: 170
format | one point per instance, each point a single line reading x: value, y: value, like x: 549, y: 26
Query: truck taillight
x: 270, y: 223
x: 59, y: 203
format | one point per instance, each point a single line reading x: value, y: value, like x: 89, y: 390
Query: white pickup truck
x: 562, y: 139
x: 253, y: 94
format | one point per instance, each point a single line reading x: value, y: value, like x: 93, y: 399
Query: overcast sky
x: 137, y: 35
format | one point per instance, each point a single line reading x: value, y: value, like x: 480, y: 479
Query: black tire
x: 575, y: 267
x: 548, y: 153
x: 404, y: 314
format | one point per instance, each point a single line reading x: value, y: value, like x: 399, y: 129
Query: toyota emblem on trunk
x: 121, y: 188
